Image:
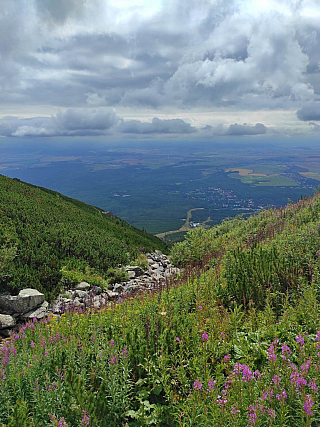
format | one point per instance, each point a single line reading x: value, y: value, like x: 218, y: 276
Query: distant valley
x: 154, y: 184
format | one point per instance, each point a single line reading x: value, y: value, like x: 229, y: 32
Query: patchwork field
x: 153, y: 184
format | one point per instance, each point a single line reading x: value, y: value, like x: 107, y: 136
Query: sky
x: 159, y: 68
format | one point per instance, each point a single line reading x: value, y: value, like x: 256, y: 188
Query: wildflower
x: 205, y: 337
x: 235, y: 410
x: 197, y: 385
x: 282, y: 395
x: 32, y: 344
x: 200, y: 307
x: 252, y: 414
x: 226, y: 358
x: 300, y: 339
x: 178, y: 339
x: 312, y: 384
x: 276, y: 380
x: 124, y: 351
x: 285, y: 350
x: 211, y: 385
x: 111, y: 342
x: 308, y: 404
x: 305, y: 366
x: 85, y: 420
x: 113, y: 360
x: 271, y: 353
x: 257, y: 374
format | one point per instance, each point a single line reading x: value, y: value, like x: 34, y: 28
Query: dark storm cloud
x: 309, y: 112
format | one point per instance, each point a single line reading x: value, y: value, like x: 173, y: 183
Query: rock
x: 118, y: 288
x: 83, y: 286
x: 96, y: 290
x: 154, y: 266
x: 131, y: 274
x: 39, y: 312
x: 81, y: 294
x: 137, y: 270
x: 112, y: 295
x: 6, y: 321
x: 132, y: 289
x: 27, y: 300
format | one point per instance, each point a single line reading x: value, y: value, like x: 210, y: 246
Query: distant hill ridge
x: 43, y: 233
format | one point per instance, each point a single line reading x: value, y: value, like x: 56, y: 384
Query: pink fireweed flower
x: 308, y: 404
x: 271, y: 353
x: 211, y: 385
x: 305, y: 366
x: 197, y: 385
x: 252, y: 415
x: 235, y: 410
x: 300, y: 339
x: 178, y: 340
x: 276, y: 380
x: 312, y: 384
x: 257, y: 374
x: 111, y: 342
x: 282, y: 395
x: 285, y: 350
x: 85, y: 420
x: 200, y: 307
x: 113, y: 360
x: 205, y: 337
x: 32, y: 344
x: 226, y: 358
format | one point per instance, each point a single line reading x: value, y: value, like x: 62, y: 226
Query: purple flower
x: 308, y: 404
x: 252, y: 414
x: 111, y: 342
x: 32, y: 344
x: 211, y: 385
x: 197, y: 385
x: 276, y: 380
x: 226, y: 358
x: 85, y: 420
x: 200, y: 307
x: 300, y: 339
x: 205, y: 337
x: 286, y: 350
x: 312, y: 384
x: 282, y: 395
x: 178, y: 339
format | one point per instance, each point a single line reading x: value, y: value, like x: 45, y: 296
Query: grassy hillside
x: 234, y: 343
x: 42, y: 231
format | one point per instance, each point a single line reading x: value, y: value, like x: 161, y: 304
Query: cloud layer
x: 181, y: 55
x: 105, y: 121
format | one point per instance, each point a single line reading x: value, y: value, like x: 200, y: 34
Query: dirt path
x: 185, y: 226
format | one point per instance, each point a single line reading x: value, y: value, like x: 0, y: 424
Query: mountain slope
x: 42, y: 231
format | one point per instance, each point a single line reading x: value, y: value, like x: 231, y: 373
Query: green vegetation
x: 47, y: 239
x: 234, y: 342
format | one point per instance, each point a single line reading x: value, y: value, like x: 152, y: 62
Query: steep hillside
x: 270, y: 252
x: 235, y: 343
x: 46, y: 237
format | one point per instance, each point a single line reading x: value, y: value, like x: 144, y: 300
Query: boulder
x: 6, y: 321
x: 81, y: 294
x: 83, y: 286
x: 38, y: 313
x: 27, y: 300
x: 136, y: 269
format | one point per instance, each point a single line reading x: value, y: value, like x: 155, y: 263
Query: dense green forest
x: 234, y: 341
x: 43, y: 234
